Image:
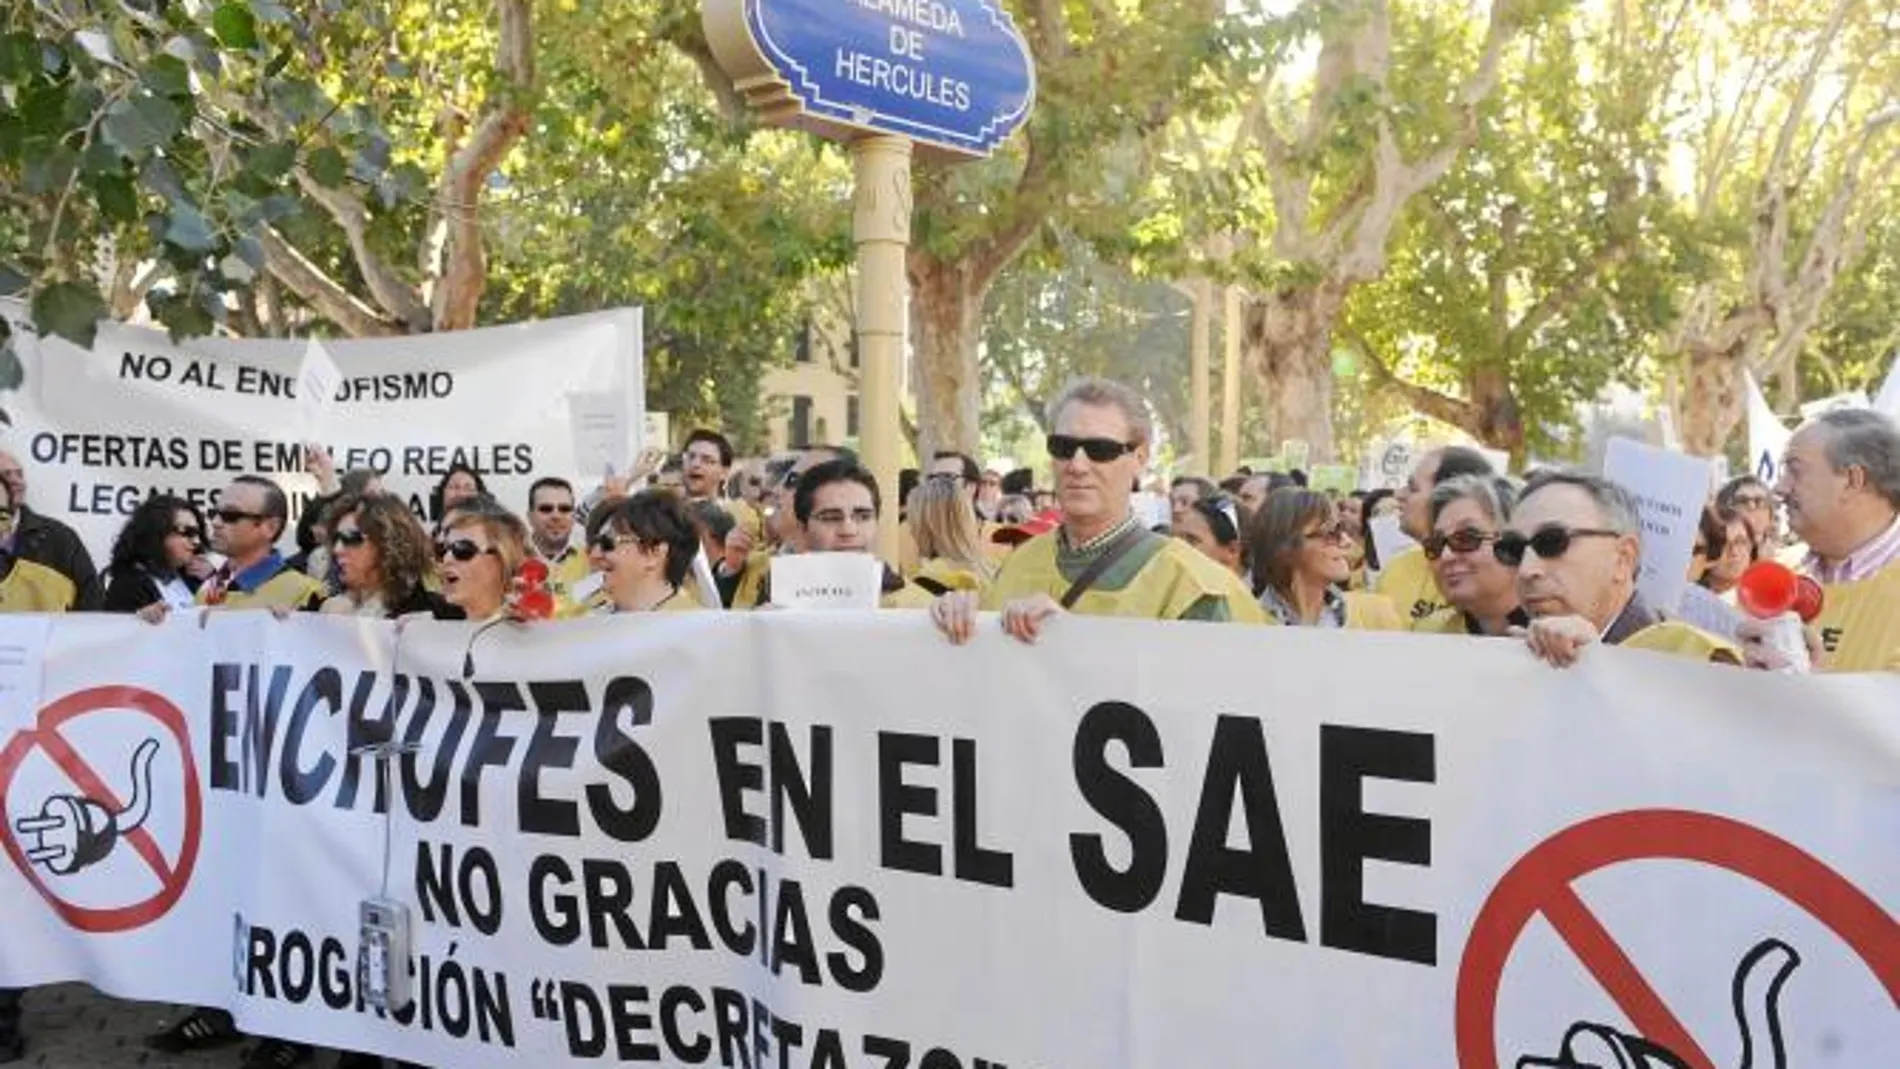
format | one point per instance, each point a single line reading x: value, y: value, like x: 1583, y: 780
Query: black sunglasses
x: 463, y: 549
x: 192, y: 533
x: 351, y: 538
x: 549, y: 509
x: 1465, y: 540
x: 1549, y: 543
x: 1099, y: 450
x: 235, y: 516
x: 607, y: 541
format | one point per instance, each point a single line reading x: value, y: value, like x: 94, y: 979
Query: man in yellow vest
x: 1101, y: 561
x: 551, y: 538
x: 48, y: 543
x: 251, y: 516
x: 1407, y: 579
x: 1840, y: 482
x: 1576, y: 542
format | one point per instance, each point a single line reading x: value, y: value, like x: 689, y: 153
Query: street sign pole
x: 880, y: 226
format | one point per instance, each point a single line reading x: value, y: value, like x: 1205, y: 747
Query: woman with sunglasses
x: 1468, y: 513
x: 950, y: 553
x: 1213, y: 525
x: 385, y: 560
x: 645, y: 551
x: 479, y: 554
x: 158, y: 559
x: 1300, y: 562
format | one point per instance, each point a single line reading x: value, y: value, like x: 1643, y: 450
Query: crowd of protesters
x: 1550, y: 561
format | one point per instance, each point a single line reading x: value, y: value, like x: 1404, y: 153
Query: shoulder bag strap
x: 1116, y: 550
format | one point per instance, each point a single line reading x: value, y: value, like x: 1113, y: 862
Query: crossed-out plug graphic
x: 73, y: 832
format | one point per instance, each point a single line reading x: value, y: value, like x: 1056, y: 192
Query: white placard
x: 1389, y: 539
x: 1767, y: 434
x: 602, y: 426
x: 1888, y: 400
x: 656, y: 431
x: 1388, y: 464
x: 827, y: 581
x: 318, y: 379
x: 1670, y: 490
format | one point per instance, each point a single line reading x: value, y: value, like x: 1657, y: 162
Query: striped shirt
x: 1865, y: 562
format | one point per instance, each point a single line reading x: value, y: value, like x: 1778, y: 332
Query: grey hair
x: 1617, y: 504
x: 1106, y: 393
x: 1495, y: 494
x: 1865, y: 439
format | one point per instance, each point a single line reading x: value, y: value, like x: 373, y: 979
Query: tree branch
x: 387, y: 288
x: 458, y: 290
x: 1460, y: 413
x: 322, y: 292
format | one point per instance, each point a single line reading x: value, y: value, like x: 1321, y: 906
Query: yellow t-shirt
x: 33, y: 587
x: 288, y: 589
x: 1408, y: 583
x: 752, y: 581
x: 948, y: 575
x: 1860, y: 624
x: 565, y: 572
x: 1371, y: 612
x: 1172, y: 584
x: 1683, y: 640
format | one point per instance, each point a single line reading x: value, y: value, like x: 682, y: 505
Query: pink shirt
x: 1864, y: 562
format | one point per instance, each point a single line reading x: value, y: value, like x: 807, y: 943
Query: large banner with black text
x: 835, y: 840
x: 99, y: 430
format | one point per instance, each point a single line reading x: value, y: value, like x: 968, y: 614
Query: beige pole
x: 1230, y: 384
x: 880, y: 225
x: 1200, y: 378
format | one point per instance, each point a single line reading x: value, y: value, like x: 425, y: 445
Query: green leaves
x: 327, y: 167
x: 188, y: 229
x: 71, y: 310
x: 234, y: 24
x: 141, y: 123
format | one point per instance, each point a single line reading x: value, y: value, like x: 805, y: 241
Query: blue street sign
x: 955, y: 74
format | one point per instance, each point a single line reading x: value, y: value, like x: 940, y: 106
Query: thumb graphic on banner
x: 1767, y: 435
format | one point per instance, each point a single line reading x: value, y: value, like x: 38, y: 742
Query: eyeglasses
x: 1549, y: 543
x: 192, y: 533
x: 1099, y: 450
x: 835, y: 517
x: 352, y: 538
x: 464, y: 550
x: 607, y: 541
x: 1751, y: 501
x: 235, y: 516
x: 1337, y: 534
x: 1463, y: 541
x: 547, y: 509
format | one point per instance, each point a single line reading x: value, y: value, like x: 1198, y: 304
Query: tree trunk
x: 1500, y: 419
x: 946, y: 317
x: 1712, y: 398
x: 1287, y: 338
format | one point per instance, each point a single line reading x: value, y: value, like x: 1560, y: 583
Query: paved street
x: 73, y: 1027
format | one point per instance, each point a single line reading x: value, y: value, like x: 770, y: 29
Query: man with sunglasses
x: 251, y: 516
x: 1100, y: 561
x: 1576, y: 543
x: 1407, y: 580
x: 1840, y: 482
x: 47, y: 542
x: 551, y: 537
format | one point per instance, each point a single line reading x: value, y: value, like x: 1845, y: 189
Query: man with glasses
x: 1100, y: 561
x: 708, y: 463
x: 1576, y: 542
x: 551, y: 537
x: 837, y: 505
x: 1748, y: 497
x: 251, y: 516
x: 742, y: 573
x: 47, y: 542
x: 1407, y: 579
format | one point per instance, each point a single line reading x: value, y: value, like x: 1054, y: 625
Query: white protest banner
x: 826, y: 581
x: 1670, y: 489
x: 820, y: 839
x: 318, y: 379
x: 100, y: 430
x: 1888, y: 400
x: 1767, y: 434
x: 603, y: 430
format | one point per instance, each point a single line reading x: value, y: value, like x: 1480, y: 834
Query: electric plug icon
x: 73, y: 832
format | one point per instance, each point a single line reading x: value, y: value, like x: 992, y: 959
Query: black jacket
x: 48, y: 542
x: 131, y: 588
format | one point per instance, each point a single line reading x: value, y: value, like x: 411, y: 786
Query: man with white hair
x: 1840, y: 482
x: 45, y: 541
x: 1101, y: 561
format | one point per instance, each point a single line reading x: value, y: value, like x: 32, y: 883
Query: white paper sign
x: 827, y: 581
x: 656, y: 431
x: 1888, y: 400
x: 1670, y: 490
x: 602, y: 424
x: 1388, y: 539
x: 1388, y: 464
x: 318, y: 378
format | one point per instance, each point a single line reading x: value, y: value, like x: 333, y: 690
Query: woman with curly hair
x: 384, y: 559
x: 157, y: 560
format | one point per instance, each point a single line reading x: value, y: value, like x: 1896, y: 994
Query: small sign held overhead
x: 318, y: 379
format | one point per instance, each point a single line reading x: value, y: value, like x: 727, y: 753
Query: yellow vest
x: 33, y: 587
x: 288, y: 589
x: 1408, y: 583
x: 752, y: 580
x: 1683, y: 640
x: 1173, y: 581
x: 565, y: 573
x: 1860, y: 624
x: 1371, y: 612
x: 949, y: 575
